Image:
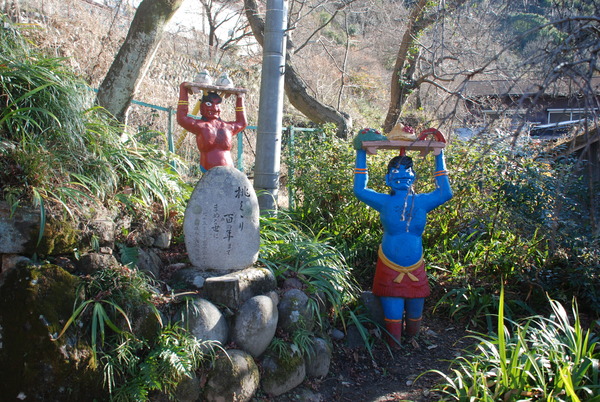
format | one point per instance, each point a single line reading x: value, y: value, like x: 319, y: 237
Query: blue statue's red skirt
x: 384, y: 285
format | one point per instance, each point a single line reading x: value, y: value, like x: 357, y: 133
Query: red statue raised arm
x: 214, y: 136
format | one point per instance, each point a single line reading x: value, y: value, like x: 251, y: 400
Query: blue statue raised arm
x: 400, y: 278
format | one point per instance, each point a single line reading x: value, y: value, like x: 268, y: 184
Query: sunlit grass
x: 289, y: 249
x: 537, y: 358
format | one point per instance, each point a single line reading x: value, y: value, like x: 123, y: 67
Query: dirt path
x: 355, y: 377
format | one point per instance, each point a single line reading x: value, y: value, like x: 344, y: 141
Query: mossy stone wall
x: 35, y: 302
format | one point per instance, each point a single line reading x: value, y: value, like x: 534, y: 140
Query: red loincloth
x: 384, y: 285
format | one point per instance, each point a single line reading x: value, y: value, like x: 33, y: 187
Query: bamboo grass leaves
x: 57, y: 148
x: 537, y: 358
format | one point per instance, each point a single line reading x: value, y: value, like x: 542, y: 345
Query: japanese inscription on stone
x: 221, y: 221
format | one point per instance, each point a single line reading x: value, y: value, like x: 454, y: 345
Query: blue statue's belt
x: 399, y: 268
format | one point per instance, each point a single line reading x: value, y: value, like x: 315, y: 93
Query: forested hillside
x: 345, y: 54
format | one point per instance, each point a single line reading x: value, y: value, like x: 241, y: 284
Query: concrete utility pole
x: 270, y: 112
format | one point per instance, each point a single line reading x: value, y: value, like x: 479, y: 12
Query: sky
x: 187, y: 17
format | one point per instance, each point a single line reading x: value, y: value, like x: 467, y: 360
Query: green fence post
x: 240, y: 151
x: 290, y: 166
x: 170, y: 135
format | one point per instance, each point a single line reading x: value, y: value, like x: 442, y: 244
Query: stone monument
x: 221, y: 221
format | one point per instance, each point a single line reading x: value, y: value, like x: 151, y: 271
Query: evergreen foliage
x: 322, y: 167
x: 290, y: 250
x: 530, y: 27
x: 60, y: 152
x: 136, y: 359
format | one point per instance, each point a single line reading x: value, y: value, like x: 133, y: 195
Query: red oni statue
x: 214, y: 136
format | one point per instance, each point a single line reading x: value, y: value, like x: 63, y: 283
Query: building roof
x: 528, y: 87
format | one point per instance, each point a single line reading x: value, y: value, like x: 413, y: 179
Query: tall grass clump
x: 59, y: 151
x: 290, y: 250
x: 537, y: 358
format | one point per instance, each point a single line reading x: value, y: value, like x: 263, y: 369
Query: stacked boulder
x: 222, y: 238
x: 246, y: 322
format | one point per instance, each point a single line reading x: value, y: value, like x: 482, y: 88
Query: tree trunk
x: 297, y: 93
x: 136, y: 54
x: 12, y: 9
x: 402, y: 83
x: 295, y: 89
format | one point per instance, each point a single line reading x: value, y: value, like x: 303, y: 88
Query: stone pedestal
x: 233, y: 289
x: 221, y: 225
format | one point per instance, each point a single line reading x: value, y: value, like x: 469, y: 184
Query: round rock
x: 294, y: 312
x: 204, y: 320
x: 234, y: 377
x: 255, y: 325
x: 221, y: 221
x: 282, y: 374
x: 149, y: 262
x: 319, y: 359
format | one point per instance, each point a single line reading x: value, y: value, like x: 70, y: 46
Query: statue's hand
x: 187, y: 87
x: 367, y: 134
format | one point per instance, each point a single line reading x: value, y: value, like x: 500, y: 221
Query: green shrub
x: 323, y: 167
x: 135, y: 369
x: 538, y: 359
x: 111, y: 294
x: 117, y: 311
x: 517, y: 216
x: 290, y: 250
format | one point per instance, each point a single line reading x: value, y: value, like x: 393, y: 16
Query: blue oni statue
x: 400, y: 278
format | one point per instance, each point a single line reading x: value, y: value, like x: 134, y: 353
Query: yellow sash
x: 399, y: 268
